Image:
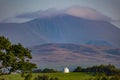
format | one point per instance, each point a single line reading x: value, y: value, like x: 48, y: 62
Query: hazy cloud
x: 86, y: 12
x: 40, y: 13
x: 83, y: 12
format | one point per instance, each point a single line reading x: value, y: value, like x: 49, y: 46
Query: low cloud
x: 87, y: 13
x: 78, y: 11
x: 40, y: 13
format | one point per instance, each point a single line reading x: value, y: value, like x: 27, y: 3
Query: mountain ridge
x: 61, y: 29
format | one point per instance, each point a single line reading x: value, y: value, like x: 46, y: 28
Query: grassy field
x: 61, y: 76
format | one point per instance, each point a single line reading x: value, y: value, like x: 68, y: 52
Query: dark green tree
x: 46, y: 70
x: 78, y: 69
x: 15, y: 56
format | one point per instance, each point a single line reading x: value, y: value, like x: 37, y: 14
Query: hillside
x: 60, y: 55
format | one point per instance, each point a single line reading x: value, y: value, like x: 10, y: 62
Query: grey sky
x: 11, y: 8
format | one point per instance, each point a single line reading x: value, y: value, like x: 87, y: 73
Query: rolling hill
x: 60, y: 55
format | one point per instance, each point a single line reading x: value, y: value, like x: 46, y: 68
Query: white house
x: 66, y: 70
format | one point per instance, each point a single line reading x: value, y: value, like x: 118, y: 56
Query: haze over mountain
x: 61, y: 28
x: 78, y: 11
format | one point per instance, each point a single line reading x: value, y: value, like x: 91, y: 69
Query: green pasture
x: 61, y: 76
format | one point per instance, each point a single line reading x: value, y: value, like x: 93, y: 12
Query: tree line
x: 106, y: 69
x: 46, y: 70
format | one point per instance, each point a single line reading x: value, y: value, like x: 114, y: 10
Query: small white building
x: 66, y: 70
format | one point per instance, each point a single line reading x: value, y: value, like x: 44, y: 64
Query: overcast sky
x: 11, y: 8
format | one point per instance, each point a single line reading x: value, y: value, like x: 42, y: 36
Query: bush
x: 104, y: 77
x: 45, y: 77
x: 56, y: 78
x: 46, y: 70
x: 116, y: 77
x: 28, y: 77
x: 0, y: 72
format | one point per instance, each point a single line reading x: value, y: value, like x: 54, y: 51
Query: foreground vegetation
x: 61, y: 76
x: 14, y: 57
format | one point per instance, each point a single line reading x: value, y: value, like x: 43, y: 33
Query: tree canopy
x: 106, y: 69
x: 15, y: 56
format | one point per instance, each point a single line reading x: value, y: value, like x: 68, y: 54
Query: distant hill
x: 99, y: 43
x: 61, y: 29
x: 72, y: 55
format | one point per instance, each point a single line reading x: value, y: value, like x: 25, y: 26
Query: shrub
x: 104, y: 77
x: 45, y: 77
x: 3, y: 79
x: 0, y: 72
x: 28, y: 77
x: 116, y: 77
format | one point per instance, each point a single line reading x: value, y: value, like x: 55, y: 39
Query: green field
x: 61, y: 76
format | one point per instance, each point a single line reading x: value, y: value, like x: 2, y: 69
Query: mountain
x: 61, y: 28
x: 54, y: 55
x: 61, y: 35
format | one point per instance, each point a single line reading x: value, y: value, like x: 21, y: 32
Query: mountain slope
x: 61, y: 29
x: 18, y: 33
